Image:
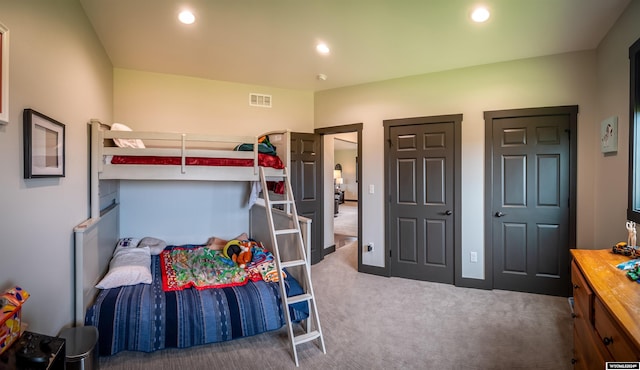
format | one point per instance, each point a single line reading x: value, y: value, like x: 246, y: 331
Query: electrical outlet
x: 473, y: 257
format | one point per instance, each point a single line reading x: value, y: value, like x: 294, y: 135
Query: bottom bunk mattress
x: 146, y: 318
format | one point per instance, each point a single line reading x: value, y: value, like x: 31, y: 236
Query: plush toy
x: 244, y: 257
x: 237, y: 251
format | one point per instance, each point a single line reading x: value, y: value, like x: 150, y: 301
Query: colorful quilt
x: 146, y: 318
x: 204, y: 268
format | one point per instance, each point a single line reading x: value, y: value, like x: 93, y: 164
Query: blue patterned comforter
x: 145, y: 318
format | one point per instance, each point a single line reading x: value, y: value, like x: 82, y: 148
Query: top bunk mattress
x: 264, y: 160
x: 136, y: 155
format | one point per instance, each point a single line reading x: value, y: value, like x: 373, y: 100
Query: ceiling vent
x: 260, y: 100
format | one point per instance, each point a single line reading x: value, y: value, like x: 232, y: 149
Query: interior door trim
x: 489, y: 116
x: 354, y: 127
x: 456, y: 119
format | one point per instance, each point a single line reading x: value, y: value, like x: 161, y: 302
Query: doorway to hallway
x: 345, y: 224
x: 342, y: 172
x: 345, y: 194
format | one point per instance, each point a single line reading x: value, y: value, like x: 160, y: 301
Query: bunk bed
x: 145, y: 317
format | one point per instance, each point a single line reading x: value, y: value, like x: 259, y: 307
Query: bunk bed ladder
x: 312, y: 328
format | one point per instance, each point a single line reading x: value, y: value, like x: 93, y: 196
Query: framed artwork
x: 4, y: 74
x: 609, y: 135
x: 44, y: 146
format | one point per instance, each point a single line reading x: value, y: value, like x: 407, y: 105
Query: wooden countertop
x: 619, y: 295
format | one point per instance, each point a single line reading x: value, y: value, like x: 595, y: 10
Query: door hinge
x: 390, y: 142
x: 568, y: 133
x: 389, y: 253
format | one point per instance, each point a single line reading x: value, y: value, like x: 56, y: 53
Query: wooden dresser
x: 606, y: 308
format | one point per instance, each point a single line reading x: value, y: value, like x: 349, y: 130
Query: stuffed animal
x: 238, y: 251
x: 244, y: 257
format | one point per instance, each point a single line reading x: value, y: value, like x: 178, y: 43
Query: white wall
x: 59, y: 68
x: 184, y: 212
x: 565, y: 79
x: 162, y: 102
x: 613, y: 98
x: 154, y: 101
x: 328, y: 166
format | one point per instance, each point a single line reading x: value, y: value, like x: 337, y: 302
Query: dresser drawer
x: 582, y: 294
x: 612, y: 336
x: 587, y: 353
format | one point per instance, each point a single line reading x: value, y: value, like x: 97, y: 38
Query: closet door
x: 530, y: 223
x: 306, y: 183
x: 422, y: 198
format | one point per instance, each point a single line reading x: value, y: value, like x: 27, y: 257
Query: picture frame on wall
x: 609, y: 135
x: 4, y: 75
x: 44, y: 146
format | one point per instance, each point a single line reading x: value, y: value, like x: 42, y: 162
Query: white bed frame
x: 96, y: 238
x: 184, y: 145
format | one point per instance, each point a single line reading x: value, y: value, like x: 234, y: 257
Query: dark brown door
x: 531, y: 197
x: 422, y: 200
x: 306, y: 183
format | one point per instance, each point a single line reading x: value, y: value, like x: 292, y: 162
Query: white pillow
x: 156, y: 246
x: 126, y: 143
x: 128, y: 266
x: 128, y: 242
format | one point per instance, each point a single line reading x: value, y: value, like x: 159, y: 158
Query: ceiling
x: 272, y: 42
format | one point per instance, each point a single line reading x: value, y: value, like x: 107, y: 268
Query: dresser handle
x: 573, y: 315
x: 607, y: 340
x: 573, y: 361
x: 575, y: 286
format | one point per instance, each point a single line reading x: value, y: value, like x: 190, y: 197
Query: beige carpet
x: 346, y: 221
x: 373, y: 322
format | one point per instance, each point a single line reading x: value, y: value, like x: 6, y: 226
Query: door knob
x: 500, y: 214
x: 448, y: 212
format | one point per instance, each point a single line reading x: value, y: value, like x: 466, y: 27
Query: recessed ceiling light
x: 480, y: 14
x: 186, y: 17
x: 322, y: 48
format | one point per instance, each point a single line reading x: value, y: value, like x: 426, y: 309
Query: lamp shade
x: 339, y: 181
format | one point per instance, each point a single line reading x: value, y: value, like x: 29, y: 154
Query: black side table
x: 34, y: 351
